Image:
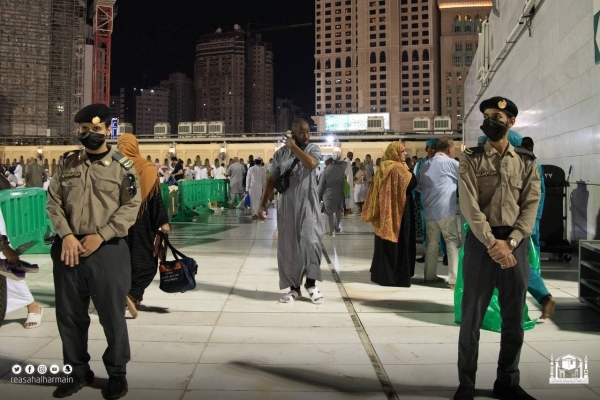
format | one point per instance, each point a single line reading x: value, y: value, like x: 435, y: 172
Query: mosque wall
x: 554, y: 80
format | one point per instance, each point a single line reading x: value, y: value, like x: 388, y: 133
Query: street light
x: 223, y: 151
x: 172, y: 149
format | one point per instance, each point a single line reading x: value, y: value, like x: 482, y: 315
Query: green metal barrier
x: 195, y: 197
x: 164, y: 193
x: 218, y: 191
x: 492, y: 321
x: 24, y: 212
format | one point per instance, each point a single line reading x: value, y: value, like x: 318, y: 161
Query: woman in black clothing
x: 152, y: 218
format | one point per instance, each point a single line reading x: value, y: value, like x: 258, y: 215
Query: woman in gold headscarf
x: 389, y: 208
x: 152, y: 217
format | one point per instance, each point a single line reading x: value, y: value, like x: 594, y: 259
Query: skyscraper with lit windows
x: 377, y: 56
x: 460, y: 26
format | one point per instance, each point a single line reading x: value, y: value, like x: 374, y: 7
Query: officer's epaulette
x: 124, y: 161
x: 71, y: 153
x: 474, y: 150
x: 525, y: 153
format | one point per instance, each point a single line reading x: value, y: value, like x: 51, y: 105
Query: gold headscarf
x: 149, y: 183
x: 384, y: 205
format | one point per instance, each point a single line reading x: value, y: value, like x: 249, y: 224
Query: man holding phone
x: 299, y: 244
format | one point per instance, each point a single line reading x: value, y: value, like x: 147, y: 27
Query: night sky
x: 152, y: 39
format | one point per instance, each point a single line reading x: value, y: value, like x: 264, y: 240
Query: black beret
x: 88, y: 113
x: 501, y: 103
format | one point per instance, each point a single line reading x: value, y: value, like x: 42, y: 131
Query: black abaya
x: 141, y: 245
x: 394, y: 263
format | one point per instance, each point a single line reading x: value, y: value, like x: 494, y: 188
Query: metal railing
x: 240, y: 138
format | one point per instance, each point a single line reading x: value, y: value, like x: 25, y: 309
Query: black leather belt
x: 502, y: 232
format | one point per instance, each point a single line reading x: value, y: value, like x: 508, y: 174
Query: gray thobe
x: 369, y: 171
x: 300, y: 236
x: 331, y: 187
x: 255, y: 183
x: 350, y: 180
x: 236, y: 177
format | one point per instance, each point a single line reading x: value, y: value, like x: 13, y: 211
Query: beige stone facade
x: 460, y: 26
x: 377, y: 56
x: 51, y: 154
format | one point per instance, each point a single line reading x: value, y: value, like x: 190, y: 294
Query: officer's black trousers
x: 105, y: 276
x: 481, y: 275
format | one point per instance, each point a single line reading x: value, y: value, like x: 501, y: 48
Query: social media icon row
x: 42, y: 369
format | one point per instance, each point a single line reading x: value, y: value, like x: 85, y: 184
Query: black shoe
x: 445, y: 260
x: 510, y: 392
x: 465, y: 393
x: 420, y: 259
x: 117, y: 388
x: 68, y: 389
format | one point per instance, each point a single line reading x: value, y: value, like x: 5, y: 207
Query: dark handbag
x: 177, y: 276
x: 283, y: 182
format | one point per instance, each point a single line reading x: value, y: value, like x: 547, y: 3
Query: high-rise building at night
x: 259, y: 86
x: 286, y: 112
x: 219, y: 72
x: 182, y: 99
x: 151, y: 106
x: 42, y: 59
x: 233, y: 75
x: 115, y: 106
x: 142, y: 108
x: 460, y: 26
x: 377, y: 56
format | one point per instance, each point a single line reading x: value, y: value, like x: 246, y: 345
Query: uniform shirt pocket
x: 107, y: 186
x: 72, y: 188
x: 516, y: 183
x: 488, y: 181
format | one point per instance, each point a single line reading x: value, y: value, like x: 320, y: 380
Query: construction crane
x: 103, y: 14
x: 275, y: 28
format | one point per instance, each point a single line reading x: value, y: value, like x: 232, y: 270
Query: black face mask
x: 493, y: 129
x: 91, y: 140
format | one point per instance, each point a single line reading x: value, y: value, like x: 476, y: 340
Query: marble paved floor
x: 232, y: 339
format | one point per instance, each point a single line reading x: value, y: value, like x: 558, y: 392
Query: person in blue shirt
x: 438, y: 185
x: 536, y: 286
x: 430, y: 148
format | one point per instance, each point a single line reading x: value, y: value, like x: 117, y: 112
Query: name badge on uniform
x: 71, y: 175
x: 486, y: 173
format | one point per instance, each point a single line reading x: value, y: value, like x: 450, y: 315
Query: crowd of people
x: 33, y: 175
x: 105, y: 207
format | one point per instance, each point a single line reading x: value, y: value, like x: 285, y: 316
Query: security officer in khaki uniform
x: 93, y: 199
x: 499, y: 188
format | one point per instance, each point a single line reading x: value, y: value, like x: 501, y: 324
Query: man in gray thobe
x: 236, y: 178
x: 35, y: 175
x: 369, y: 170
x: 300, y: 236
x: 331, y: 191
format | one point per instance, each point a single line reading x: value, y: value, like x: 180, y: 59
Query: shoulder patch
x: 71, y: 153
x: 474, y: 150
x: 463, y: 167
x: 121, y: 159
x: 525, y: 154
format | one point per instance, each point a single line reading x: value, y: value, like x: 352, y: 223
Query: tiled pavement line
x: 382, y: 376
x: 207, y: 342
